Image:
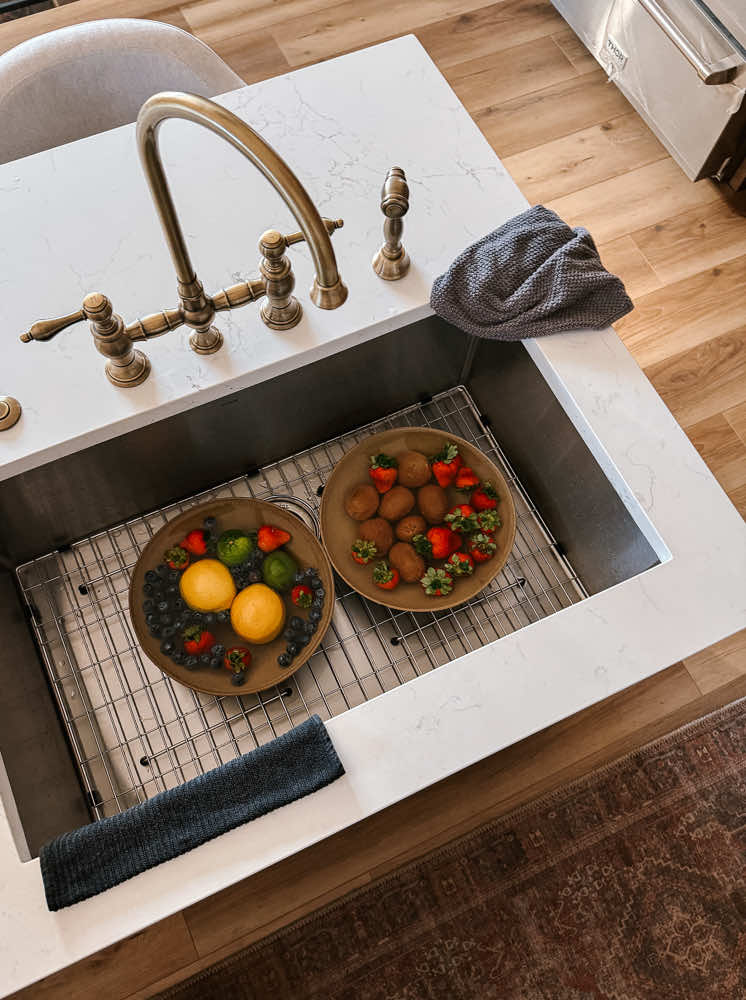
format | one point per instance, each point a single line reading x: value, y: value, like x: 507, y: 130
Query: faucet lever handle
x: 45, y: 329
x: 329, y: 224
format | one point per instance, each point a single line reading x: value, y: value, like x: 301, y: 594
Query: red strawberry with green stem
x: 462, y: 518
x: 445, y: 464
x: 437, y: 582
x: 466, y: 479
x: 484, y: 497
x: 481, y: 547
x: 269, y: 537
x: 438, y: 543
x: 301, y: 596
x: 196, y: 542
x: 488, y: 520
x: 197, y: 640
x: 237, y: 659
x: 177, y: 558
x: 362, y: 551
x: 460, y: 564
x: 383, y: 472
x: 385, y: 577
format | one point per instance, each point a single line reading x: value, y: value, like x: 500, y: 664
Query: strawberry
x: 301, y: 596
x: 269, y: 538
x: 438, y: 543
x: 466, y: 479
x: 484, y: 497
x: 197, y: 640
x: 176, y: 558
x: 196, y: 542
x: 446, y: 464
x: 385, y: 577
x: 460, y: 564
x: 383, y: 472
x: 363, y: 552
x: 488, y: 521
x: 481, y: 547
x: 236, y: 659
x: 437, y: 582
x: 462, y: 519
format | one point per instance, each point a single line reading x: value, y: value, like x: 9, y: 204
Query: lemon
x: 258, y: 614
x: 207, y: 585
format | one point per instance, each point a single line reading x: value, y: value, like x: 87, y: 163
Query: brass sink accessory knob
x: 392, y: 261
x: 10, y: 412
x: 125, y: 367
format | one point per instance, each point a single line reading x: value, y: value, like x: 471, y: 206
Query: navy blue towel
x: 96, y: 857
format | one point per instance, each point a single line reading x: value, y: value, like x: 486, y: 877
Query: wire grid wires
x: 135, y: 732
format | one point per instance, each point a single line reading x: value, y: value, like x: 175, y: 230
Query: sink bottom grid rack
x: 134, y: 732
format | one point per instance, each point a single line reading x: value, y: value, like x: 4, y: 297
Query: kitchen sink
x: 88, y: 726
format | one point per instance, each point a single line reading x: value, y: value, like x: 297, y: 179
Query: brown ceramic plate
x: 339, y: 531
x: 247, y: 515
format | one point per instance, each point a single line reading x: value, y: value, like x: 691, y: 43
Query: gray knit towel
x: 81, y: 864
x: 531, y: 277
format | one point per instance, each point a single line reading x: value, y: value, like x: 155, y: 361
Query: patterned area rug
x: 627, y: 885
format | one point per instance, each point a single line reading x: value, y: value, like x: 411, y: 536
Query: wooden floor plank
x: 722, y: 449
x: 500, y: 76
x: 574, y: 49
x: 634, y: 200
x: 686, y: 314
x: 720, y: 664
x: 254, y: 55
x: 492, y: 29
x: 736, y: 417
x: 624, y: 258
x: 583, y: 158
x: 698, y: 383
x: 694, y: 241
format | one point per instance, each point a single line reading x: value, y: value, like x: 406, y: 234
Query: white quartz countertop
x: 78, y: 219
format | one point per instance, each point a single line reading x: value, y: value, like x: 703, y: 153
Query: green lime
x: 278, y: 570
x: 234, y: 547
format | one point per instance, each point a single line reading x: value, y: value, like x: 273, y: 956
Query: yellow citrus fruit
x: 258, y: 614
x: 207, y: 585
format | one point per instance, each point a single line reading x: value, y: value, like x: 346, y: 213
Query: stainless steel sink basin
x: 88, y: 726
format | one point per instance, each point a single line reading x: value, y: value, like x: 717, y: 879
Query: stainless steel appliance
x: 682, y: 64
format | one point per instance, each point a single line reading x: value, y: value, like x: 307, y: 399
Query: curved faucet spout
x: 328, y: 290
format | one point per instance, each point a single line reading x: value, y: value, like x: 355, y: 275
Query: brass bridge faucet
x: 280, y: 311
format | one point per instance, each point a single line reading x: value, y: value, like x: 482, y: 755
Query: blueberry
x: 179, y: 622
x: 223, y: 616
x: 284, y: 659
x: 167, y: 630
x: 195, y: 616
x: 204, y: 659
x: 216, y: 662
x: 162, y: 570
x: 309, y: 628
x: 148, y: 589
x: 210, y: 523
x: 295, y: 622
x: 162, y: 606
x: 148, y: 605
x: 288, y: 634
x: 299, y: 576
x: 173, y: 576
x: 292, y: 649
x: 168, y: 646
x: 172, y: 593
x: 178, y: 657
x: 191, y: 662
x: 218, y: 649
x: 155, y: 631
x: 302, y: 640
x: 238, y: 679
x: 151, y: 576
x: 314, y: 615
x: 209, y: 618
x: 152, y: 618
x: 316, y: 584
x: 166, y: 619
x: 254, y: 576
x: 312, y: 572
